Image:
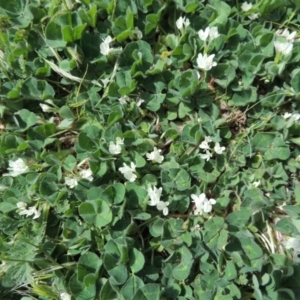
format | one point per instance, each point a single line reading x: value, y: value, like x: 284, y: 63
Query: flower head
x: 65, y: 296
x: 115, y: 148
x: 218, y: 149
x: 16, y: 168
x: 45, y: 107
x: 253, y: 16
x: 203, y: 34
x: 28, y: 212
x: 207, y: 155
x: 104, y: 46
x: 287, y: 115
x: 128, y: 172
x: 208, y: 33
x: 256, y: 183
x: 283, y: 48
x: 202, y: 204
x: 136, y: 33
x: 155, y: 156
x: 285, y: 33
x: 207, y: 205
x: 182, y: 22
x: 71, y: 182
x: 198, y: 200
x: 213, y: 33
x: 204, y: 144
x: 154, y: 195
x: 124, y: 99
x: 296, y: 117
x: 163, y: 206
x: 86, y: 174
x: 294, y: 243
x: 21, y: 205
x: 246, y: 6
x: 205, y: 62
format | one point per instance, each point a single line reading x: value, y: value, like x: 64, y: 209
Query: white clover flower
x: 86, y: 174
x: 204, y: 144
x: 163, y: 206
x: 137, y: 33
x: 139, y: 102
x: 128, y: 172
x: 124, y: 99
x: 202, y: 203
x: 213, y: 33
x: 253, y: 16
x: 205, y: 62
x: 16, y: 168
x: 115, y: 148
x: 207, y: 206
x: 104, y: 46
x: 105, y: 81
x: 285, y: 33
x: 246, y: 6
x: 119, y: 141
x: 287, y: 115
x: 28, y: 212
x: 297, y: 159
x: 45, y: 107
x: 203, y: 35
x: 3, y: 187
x: 71, y: 182
x: 154, y: 195
x: 195, y: 228
x: 296, y: 117
x: 218, y: 149
x: 283, y: 48
x: 182, y: 22
x: 21, y: 205
x: 65, y: 296
x: 199, y: 200
x: 198, y: 211
x: 155, y: 156
x: 294, y: 243
x: 207, y: 155
x: 256, y: 183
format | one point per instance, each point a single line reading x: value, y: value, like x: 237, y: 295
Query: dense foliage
x: 149, y: 149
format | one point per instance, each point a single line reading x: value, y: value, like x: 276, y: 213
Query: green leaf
x: 87, y: 212
x: 147, y: 292
x: 176, y: 178
x: 80, y: 291
x: 245, y: 97
x: 136, y: 260
x: 70, y: 163
x: 286, y: 227
x: 182, y: 271
x: 131, y: 286
x: 271, y: 146
x: 88, y: 263
x: 25, y: 119
x: 104, y: 214
x: 252, y: 250
x: 37, y: 89
x: 114, y: 117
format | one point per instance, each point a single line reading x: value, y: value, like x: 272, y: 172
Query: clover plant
x: 149, y: 149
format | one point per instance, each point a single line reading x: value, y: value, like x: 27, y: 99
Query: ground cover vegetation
x: 149, y: 149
